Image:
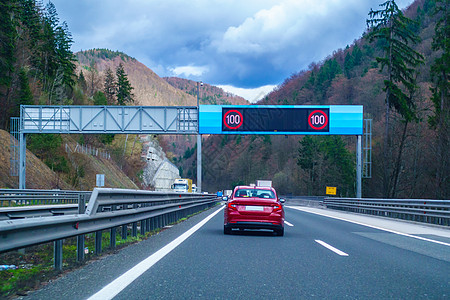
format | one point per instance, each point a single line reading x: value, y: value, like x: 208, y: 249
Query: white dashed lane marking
x: 329, y: 247
x: 288, y: 224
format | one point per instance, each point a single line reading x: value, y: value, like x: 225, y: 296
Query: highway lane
x: 210, y: 265
x: 258, y: 265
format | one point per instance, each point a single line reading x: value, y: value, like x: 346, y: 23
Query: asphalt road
x: 319, y: 257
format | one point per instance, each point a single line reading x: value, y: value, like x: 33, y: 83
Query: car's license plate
x: 255, y: 208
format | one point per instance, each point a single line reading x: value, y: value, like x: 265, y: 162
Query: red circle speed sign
x: 233, y: 119
x: 318, y: 119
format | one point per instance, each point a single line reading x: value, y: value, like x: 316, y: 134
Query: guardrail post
x: 80, y: 247
x: 134, y: 229
x: 147, y: 225
x: 152, y: 224
x: 143, y: 226
x: 98, y: 242
x: 124, y: 231
x: 58, y: 254
x: 80, y: 238
x: 112, y: 242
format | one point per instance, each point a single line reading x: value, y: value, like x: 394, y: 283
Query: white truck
x: 266, y: 183
x: 182, y: 185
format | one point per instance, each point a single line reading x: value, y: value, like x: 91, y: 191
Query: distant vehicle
x: 254, y: 207
x: 194, y: 188
x: 267, y: 183
x: 182, y: 185
x: 226, y: 194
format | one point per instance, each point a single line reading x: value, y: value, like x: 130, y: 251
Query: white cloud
x: 189, y: 70
x: 251, y: 95
x: 240, y: 43
x: 288, y: 24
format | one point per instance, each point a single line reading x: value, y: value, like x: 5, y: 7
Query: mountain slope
x: 40, y: 176
x: 208, y: 94
x: 348, y: 76
x: 149, y: 88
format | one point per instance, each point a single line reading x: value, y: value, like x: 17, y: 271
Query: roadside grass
x: 35, y: 264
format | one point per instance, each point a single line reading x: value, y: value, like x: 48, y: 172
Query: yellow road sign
x: 331, y: 190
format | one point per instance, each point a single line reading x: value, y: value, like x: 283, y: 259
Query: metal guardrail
x: 39, y: 197
x: 107, y: 209
x: 34, y: 211
x: 311, y: 201
x: 421, y: 210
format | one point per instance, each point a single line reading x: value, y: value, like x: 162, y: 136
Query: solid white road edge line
x: 120, y: 283
x: 335, y: 250
x: 375, y: 227
x: 288, y: 224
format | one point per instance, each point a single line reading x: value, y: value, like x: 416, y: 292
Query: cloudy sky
x: 246, y: 46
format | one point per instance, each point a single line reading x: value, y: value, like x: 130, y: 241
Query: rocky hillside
x: 40, y: 176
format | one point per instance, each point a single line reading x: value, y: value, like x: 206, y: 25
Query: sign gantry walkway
x: 204, y: 119
x: 109, y: 119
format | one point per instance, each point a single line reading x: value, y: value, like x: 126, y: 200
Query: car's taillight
x: 277, y: 207
x: 232, y: 206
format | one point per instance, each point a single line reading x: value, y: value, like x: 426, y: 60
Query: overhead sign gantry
x: 205, y: 119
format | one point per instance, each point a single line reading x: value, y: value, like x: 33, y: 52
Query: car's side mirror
x: 224, y: 198
x: 282, y: 201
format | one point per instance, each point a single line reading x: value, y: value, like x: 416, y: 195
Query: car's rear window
x: 254, y: 193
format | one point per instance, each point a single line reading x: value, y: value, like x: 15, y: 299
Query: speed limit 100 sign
x: 275, y: 119
x: 233, y: 119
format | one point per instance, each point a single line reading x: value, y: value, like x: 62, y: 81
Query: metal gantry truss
x: 109, y: 119
x: 96, y: 120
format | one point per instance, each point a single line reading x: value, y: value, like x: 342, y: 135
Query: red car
x: 254, y: 207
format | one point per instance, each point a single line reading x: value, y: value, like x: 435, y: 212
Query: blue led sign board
x: 249, y: 119
x: 281, y: 119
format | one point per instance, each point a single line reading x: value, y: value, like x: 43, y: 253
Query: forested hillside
x: 416, y: 156
x: 38, y: 67
x: 148, y: 88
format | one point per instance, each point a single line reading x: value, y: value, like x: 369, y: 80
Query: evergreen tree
x: 25, y: 95
x: 349, y: 63
x: 30, y: 17
x: 319, y: 153
x: 308, y: 158
x: 109, y: 87
x: 48, y: 50
x: 82, y: 82
x: 123, y: 87
x: 440, y: 120
x: 8, y: 35
x: 99, y: 98
x: 390, y: 26
x: 65, y: 56
x: 357, y: 55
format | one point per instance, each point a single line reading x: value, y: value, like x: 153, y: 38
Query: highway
x: 319, y: 257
